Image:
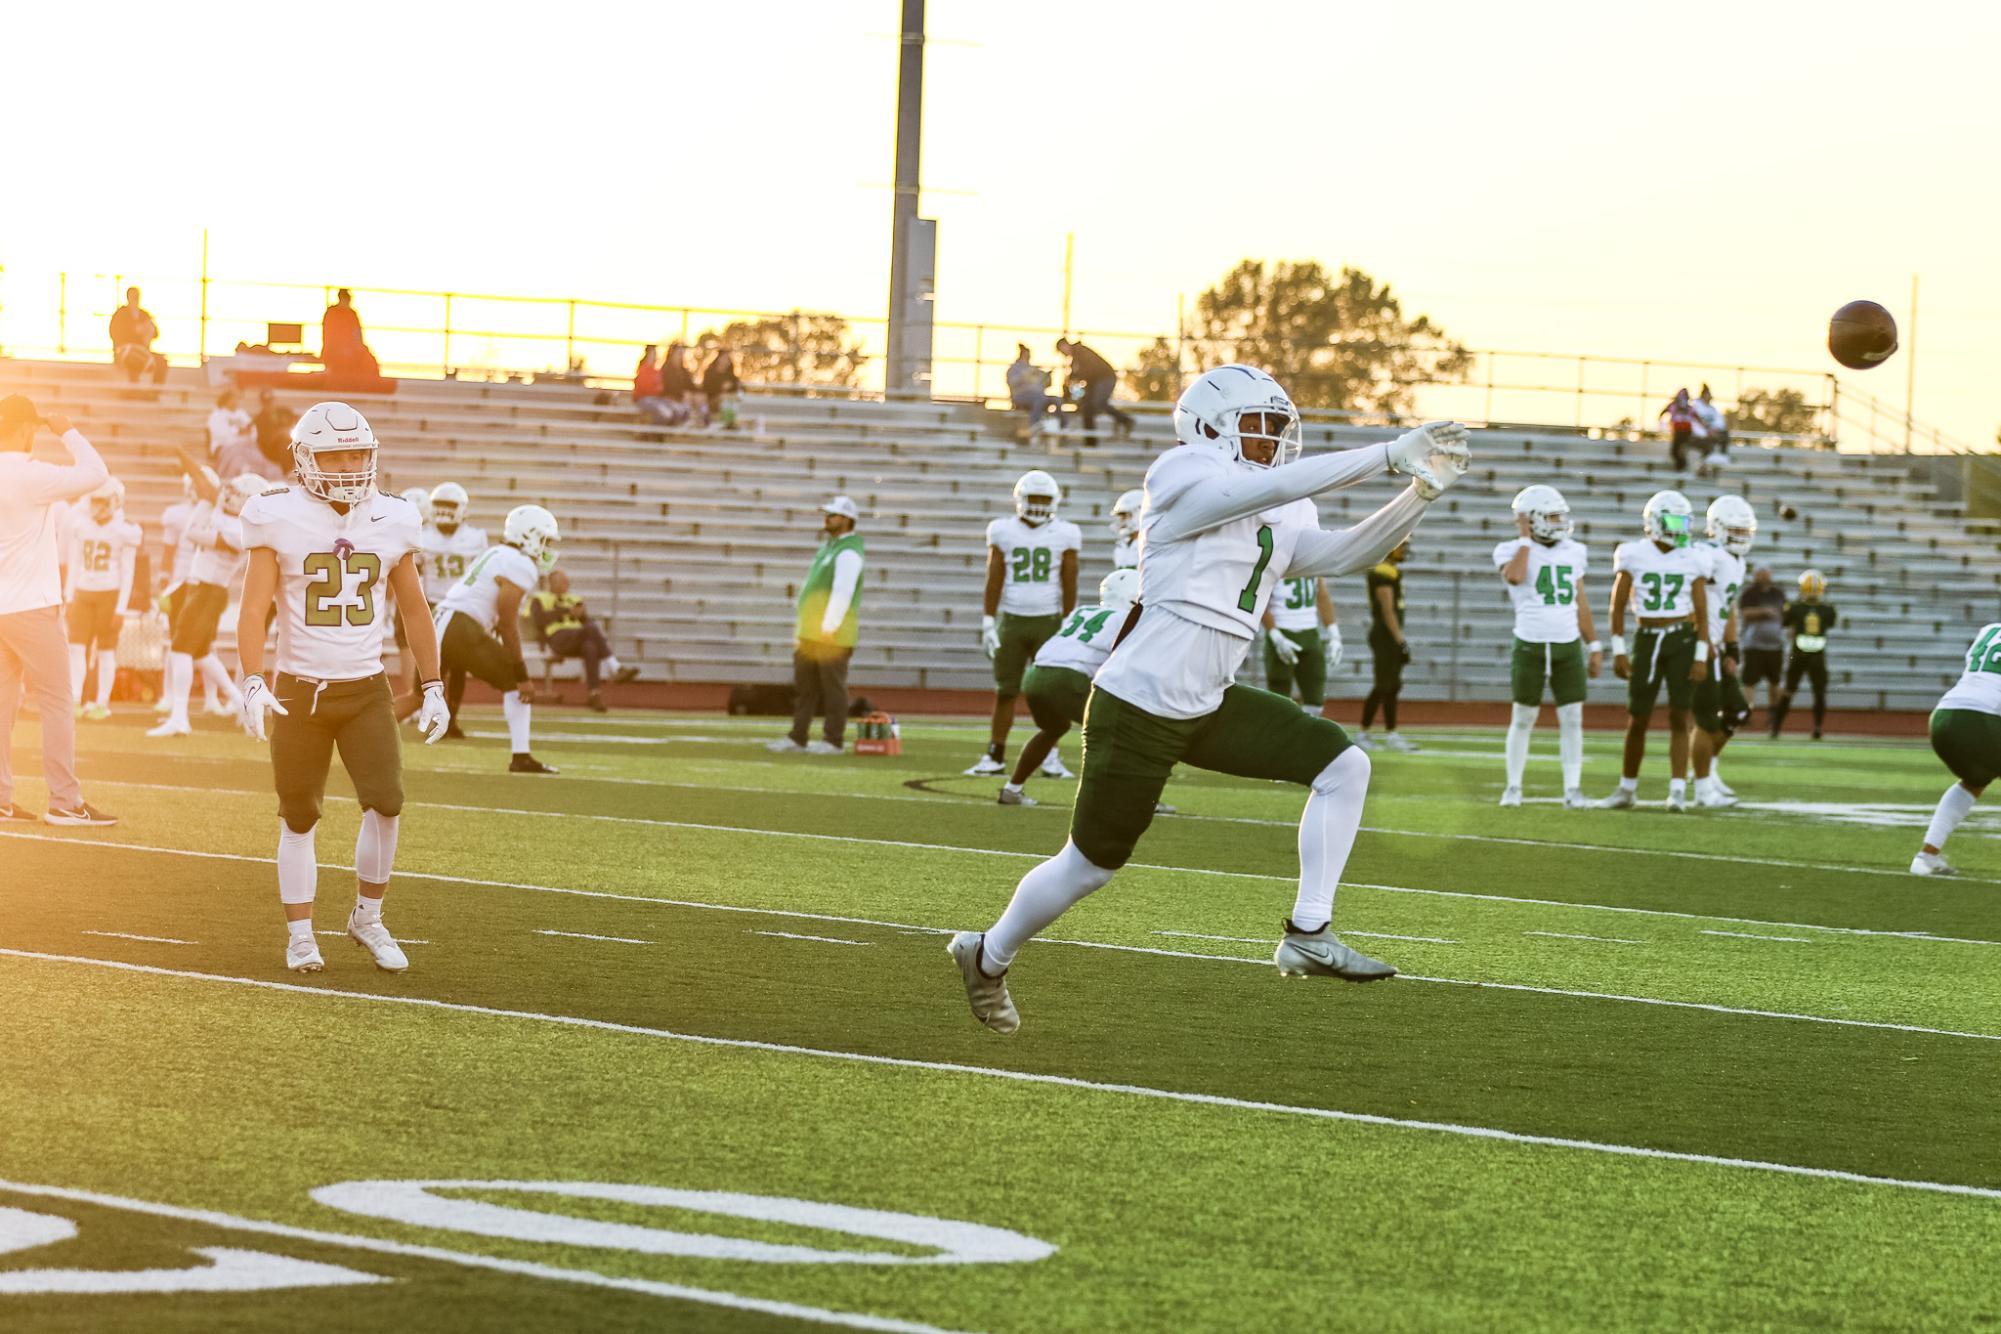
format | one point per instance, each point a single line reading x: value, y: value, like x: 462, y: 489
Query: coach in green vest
x: 830, y: 602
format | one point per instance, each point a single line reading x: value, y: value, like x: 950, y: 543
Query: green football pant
x: 1559, y: 666
x: 1129, y: 753
x: 1661, y: 657
x: 1056, y: 697
x: 1020, y: 637
x: 1309, y: 670
x: 1720, y: 703
x: 357, y: 716
x: 1968, y: 741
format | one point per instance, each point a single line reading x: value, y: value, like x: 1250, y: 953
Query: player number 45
x: 1553, y: 582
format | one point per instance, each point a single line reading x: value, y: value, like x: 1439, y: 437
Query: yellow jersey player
x: 329, y: 548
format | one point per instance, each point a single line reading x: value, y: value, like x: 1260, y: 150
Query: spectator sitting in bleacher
x: 228, y: 426
x: 646, y: 395
x: 565, y: 630
x: 274, y: 430
x: 349, y: 364
x: 1712, y: 428
x: 1027, y: 390
x: 719, y: 382
x: 1094, y: 377
x: 1680, y: 414
x: 132, y: 335
x: 677, y: 384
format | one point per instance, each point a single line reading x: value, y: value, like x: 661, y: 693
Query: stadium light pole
x: 913, y: 240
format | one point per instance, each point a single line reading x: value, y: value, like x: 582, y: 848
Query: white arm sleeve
x: 66, y: 482
x: 847, y: 573
x: 1322, y: 554
x: 1242, y: 492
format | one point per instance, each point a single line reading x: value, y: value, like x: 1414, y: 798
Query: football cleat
x: 1053, y: 767
x: 1014, y: 796
x: 1575, y: 800
x: 1932, y: 863
x: 1321, y: 954
x: 222, y: 708
x: 1511, y: 796
x: 1622, y: 799
x: 785, y: 745
x: 83, y: 814
x: 381, y: 946
x: 988, y: 996
x: 1365, y: 741
x: 171, y: 727
x: 1397, y: 741
x: 987, y: 765
x: 1675, y: 802
x: 1709, y: 797
x: 1716, y: 781
x: 822, y: 748
x: 1162, y: 808
x: 525, y: 763
x: 303, y: 956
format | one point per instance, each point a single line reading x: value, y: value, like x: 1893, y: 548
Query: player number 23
x: 329, y: 572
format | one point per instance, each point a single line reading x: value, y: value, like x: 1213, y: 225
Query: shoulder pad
x: 276, y: 491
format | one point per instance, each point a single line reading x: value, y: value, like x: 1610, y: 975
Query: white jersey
x: 1663, y: 581
x: 1033, y: 559
x: 219, y: 553
x: 1084, y: 640
x: 1546, y: 598
x: 1979, y: 686
x: 333, y: 571
x: 1725, y: 573
x: 478, y: 594
x: 446, y: 559
x: 174, y: 523
x: 1295, y: 603
x: 99, y: 554
x: 1125, y: 553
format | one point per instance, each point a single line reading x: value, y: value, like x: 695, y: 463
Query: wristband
x: 1618, y: 646
x: 1702, y: 650
x: 1594, y: 647
x: 986, y: 622
x: 436, y: 682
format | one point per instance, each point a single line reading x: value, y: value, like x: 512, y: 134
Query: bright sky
x: 1575, y: 178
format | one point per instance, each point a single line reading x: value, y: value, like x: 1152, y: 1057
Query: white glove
x: 258, y: 701
x: 434, y: 715
x: 1330, y: 639
x: 1434, y: 456
x: 1287, y: 651
x: 989, y: 636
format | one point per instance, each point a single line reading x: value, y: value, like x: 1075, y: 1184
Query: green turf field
x: 1717, y: 1070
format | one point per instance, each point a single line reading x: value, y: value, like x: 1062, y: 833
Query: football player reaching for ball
x: 1218, y: 535
x: 1031, y: 587
x: 1664, y: 579
x: 324, y: 548
x: 1555, y: 641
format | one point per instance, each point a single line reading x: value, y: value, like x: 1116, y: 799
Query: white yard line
x: 1015, y: 1076
x: 151, y: 940
x: 585, y: 935
x: 1566, y: 935
x: 1253, y: 940
x: 790, y: 935
x: 1047, y: 940
x: 399, y: 940
x: 1746, y: 935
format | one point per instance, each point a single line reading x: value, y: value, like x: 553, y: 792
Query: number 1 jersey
x: 1546, y: 598
x: 332, y: 571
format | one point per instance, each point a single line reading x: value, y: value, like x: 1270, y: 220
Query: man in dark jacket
x: 1095, y: 377
x: 132, y: 335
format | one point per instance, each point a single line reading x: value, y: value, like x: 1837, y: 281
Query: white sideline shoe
x: 1321, y: 954
x: 1622, y: 799
x: 785, y: 745
x: 1052, y: 767
x: 822, y: 748
x: 1931, y: 863
x: 1364, y: 740
x: 375, y: 938
x: 1709, y: 796
x: 987, y: 766
x: 171, y: 727
x: 1675, y: 803
x: 303, y: 956
x: 988, y: 996
x: 1575, y: 800
x: 1716, y: 781
x: 1397, y: 741
x: 1511, y: 796
x: 1016, y: 797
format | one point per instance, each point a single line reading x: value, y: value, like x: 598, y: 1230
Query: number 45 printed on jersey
x: 328, y: 601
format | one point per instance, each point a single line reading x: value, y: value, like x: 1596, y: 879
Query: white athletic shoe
x: 219, y: 709
x: 1010, y: 796
x: 303, y: 956
x: 988, y: 996
x: 1397, y: 741
x: 1674, y: 802
x: 1511, y: 796
x: 1710, y: 797
x: 1365, y: 741
x: 1716, y: 781
x: 1053, y: 767
x: 1321, y: 954
x: 171, y: 727
x: 987, y: 765
x: 375, y: 938
x: 1575, y: 800
x: 1622, y: 799
x: 1931, y: 863
x: 1162, y: 808
x: 785, y: 745
x: 817, y: 747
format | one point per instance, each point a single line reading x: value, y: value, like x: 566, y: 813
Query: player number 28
x: 329, y: 573
x: 1031, y: 565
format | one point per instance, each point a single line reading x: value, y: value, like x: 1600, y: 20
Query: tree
x: 1157, y: 377
x: 1778, y: 411
x: 1333, y: 342
x: 792, y: 349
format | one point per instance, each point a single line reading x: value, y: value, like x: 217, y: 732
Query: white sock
x: 1952, y: 808
x: 367, y: 910
x: 1629, y: 784
x: 1570, y: 744
x: 1677, y: 787
x: 1715, y: 772
x: 1010, y: 787
x: 107, y: 675
x: 180, y: 683
x: 216, y: 685
x: 1520, y: 724
x: 611, y: 664
x: 1043, y: 895
x: 298, y: 867
x: 517, y: 711
x: 209, y: 698
x: 78, y: 664
x: 375, y: 848
x: 301, y: 929
x: 1327, y: 835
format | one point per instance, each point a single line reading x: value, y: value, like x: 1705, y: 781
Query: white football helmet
x: 325, y: 428
x: 1207, y: 413
x: 108, y: 501
x: 448, y: 506
x: 1548, y: 511
x: 1667, y: 517
x: 532, y: 529
x: 1733, y: 523
x: 1036, y: 497
x: 237, y: 491
x: 1119, y: 589
x: 1125, y: 515
x: 421, y: 498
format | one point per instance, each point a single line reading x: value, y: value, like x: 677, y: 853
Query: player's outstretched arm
x: 1322, y: 553
x: 1207, y: 497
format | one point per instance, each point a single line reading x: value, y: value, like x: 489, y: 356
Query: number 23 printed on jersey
x: 325, y: 596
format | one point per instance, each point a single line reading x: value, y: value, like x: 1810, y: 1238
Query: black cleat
x: 623, y: 675
x: 595, y: 703
x: 524, y: 763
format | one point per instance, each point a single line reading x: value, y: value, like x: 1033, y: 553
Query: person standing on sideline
x: 1555, y: 642
x: 33, y: 651
x: 1389, y: 649
x: 1761, y: 611
x: 830, y: 603
x: 1302, y: 640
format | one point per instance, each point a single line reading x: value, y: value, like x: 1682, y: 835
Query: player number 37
x: 329, y: 572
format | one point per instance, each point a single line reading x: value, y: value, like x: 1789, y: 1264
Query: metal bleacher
x: 693, y: 541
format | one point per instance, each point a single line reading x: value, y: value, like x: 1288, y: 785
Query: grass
x: 1572, y: 1112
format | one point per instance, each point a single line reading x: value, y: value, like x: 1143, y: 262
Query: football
x: 1862, y: 334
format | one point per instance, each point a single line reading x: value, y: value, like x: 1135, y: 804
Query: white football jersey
x: 219, y: 554
x: 1295, y: 604
x: 1725, y: 573
x: 477, y: 594
x: 1546, y: 598
x: 333, y: 573
x: 1033, y: 557
x: 98, y: 553
x: 175, y: 521
x: 1084, y: 640
x: 1979, y: 686
x: 1125, y: 553
x: 446, y: 559
x: 1663, y: 581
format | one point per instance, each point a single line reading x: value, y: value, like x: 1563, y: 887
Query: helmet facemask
x: 340, y: 488
x: 104, y: 509
x: 1035, y: 508
x: 1738, y: 541
x: 1549, y: 526
x: 445, y: 514
x: 1272, y: 431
